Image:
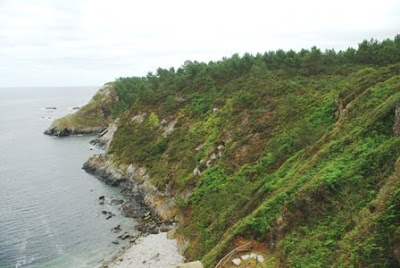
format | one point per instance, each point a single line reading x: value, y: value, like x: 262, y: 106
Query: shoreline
x: 154, y: 246
x: 152, y: 251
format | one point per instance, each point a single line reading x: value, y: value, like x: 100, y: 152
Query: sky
x: 91, y: 42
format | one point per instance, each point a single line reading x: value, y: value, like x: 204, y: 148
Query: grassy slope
x: 306, y: 162
x: 292, y: 174
x: 91, y: 117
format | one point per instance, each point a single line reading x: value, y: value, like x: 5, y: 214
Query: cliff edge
x: 91, y: 118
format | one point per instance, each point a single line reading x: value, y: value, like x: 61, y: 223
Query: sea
x: 50, y: 212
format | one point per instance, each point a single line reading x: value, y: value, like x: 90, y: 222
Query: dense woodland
x: 154, y: 88
x: 294, y: 151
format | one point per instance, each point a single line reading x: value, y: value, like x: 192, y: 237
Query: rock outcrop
x: 101, y: 167
x: 396, y: 127
x: 57, y: 130
x: 94, y: 117
x: 106, y: 135
x: 161, y: 204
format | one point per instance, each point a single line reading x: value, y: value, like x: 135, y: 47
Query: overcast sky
x: 90, y: 42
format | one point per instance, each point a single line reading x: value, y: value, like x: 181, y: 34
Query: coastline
x: 154, y: 211
x: 153, y: 250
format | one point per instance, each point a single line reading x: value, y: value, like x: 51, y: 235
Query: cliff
x: 91, y: 118
x: 294, y: 153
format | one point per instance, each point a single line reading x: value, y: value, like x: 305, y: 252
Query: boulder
x: 117, y: 202
x: 260, y: 258
x: 124, y: 236
x: 237, y: 261
x: 196, y: 171
x: 245, y: 257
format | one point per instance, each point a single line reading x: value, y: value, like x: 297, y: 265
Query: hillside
x: 91, y: 118
x: 297, y: 152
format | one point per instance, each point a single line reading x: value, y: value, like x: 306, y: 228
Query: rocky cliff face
x: 396, y: 127
x: 263, y: 158
x: 92, y: 118
x: 161, y: 203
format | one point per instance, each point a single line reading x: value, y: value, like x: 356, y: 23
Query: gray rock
x: 116, y: 202
x: 106, y: 135
x: 100, y: 166
x: 169, y: 128
x: 196, y: 171
x: 245, y: 257
x: 396, y: 126
x: 165, y: 227
x: 124, y: 236
x: 139, y: 118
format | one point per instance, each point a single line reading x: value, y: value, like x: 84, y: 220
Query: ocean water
x: 50, y: 214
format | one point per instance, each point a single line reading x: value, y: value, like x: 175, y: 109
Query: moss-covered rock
x: 91, y: 118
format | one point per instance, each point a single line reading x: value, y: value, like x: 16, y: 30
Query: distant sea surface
x: 50, y: 214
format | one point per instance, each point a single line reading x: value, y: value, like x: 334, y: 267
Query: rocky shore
x: 56, y: 130
x: 149, y: 251
x: 135, y: 183
x: 153, y: 210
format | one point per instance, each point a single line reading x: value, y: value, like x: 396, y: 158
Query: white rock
x: 253, y: 256
x: 169, y: 128
x: 131, y: 170
x: 198, y: 148
x: 196, y: 171
x: 220, y: 147
x: 213, y: 156
x: 139, y: 118
x: 260, y: 258
x: 245, y: 257
x: 237, y: 261
x: 208, y: 164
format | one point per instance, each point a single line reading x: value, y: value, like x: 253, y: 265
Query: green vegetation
x: 295, y: 149
x: 91, y: 117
